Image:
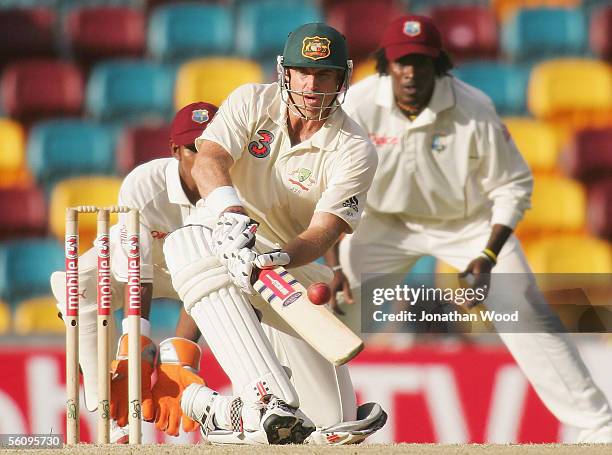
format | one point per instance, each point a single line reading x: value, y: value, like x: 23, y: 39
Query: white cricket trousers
x: 386, y: 243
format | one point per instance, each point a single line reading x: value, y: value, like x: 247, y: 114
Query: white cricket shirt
x: 155, y: 189
x: 282, y: 186
x: 454, y: 160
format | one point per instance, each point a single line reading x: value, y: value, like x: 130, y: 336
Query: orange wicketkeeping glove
x: 179, y: 366
x: 119, y: 380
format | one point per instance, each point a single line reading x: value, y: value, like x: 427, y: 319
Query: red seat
x: 26, y: 33
x: 101, y: 32
x: 599, y: 209
x: 587, y: 157
x: 140, y: 144
x: 23, y: 213
x: 600, y: 32
x: 36, y: 89
x: 468, y: 31
x: 362, y: 22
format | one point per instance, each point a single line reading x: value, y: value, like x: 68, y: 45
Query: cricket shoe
x: 284, y: 424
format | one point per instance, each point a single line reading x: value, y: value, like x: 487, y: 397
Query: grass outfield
x: 409, y: 449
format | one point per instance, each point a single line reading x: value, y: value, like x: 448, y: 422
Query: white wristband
x: 145, y: 327
x: 221, y: 198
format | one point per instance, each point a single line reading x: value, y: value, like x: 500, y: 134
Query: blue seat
x: 61, y: 148
x: 26, y: 266
x: 130, y: 90
x: 165, y: 314
x: 262, y: 26
x: 534, y: 34
x: 505, y: 84
x: 189, y: 30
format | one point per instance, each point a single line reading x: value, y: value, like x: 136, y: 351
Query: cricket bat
x: 314, y: 323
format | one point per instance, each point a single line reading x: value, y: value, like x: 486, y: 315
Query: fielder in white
x: 451, y: 184
x: 165, y: 194
x: 287, y: 157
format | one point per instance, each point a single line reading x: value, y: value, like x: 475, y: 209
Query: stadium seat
x: 5, y: 318
x: 165, y: 315
x: 538, y: 142
x: 506, y: 9
x: 362, y: 22
x: 468, y: 31
x: 130, y: 90
x: 60, y: 148
x: 190, y: 30
x: 100, y: 32
x: 140, y: 144
x: 599, y: 213
x: 24, y: 213
x: 600, y: 32
x: 262, y: 26
x: 150, y: 6
x: 75, y: 191
x: 34, y: 89
x: 534, y: 34
x: 38, y: 316
x: 558, y: 204
x: 26, y: 33
x: 26, y: 265
x: 212, y: 79
x: 573, y: 92
x: 588, y: 156
x: 569, y: 254
x: 505, y: 84
x: 13, y: 168
x: 363, y: 69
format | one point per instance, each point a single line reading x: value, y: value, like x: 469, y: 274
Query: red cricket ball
x: 319, y: 293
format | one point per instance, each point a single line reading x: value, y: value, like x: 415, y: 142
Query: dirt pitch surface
x: 374, y: 449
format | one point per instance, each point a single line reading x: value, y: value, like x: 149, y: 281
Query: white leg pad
x: 234, y: 334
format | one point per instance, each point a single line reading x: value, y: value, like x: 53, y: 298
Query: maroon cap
x: 411, y: 34
x: 190, y: 121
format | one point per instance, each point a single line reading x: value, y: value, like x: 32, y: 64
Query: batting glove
x: 243, y: 264
x: 233, y: 231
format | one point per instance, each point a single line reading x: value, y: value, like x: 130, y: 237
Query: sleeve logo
x: 261, y: 147
x: 352, y: 203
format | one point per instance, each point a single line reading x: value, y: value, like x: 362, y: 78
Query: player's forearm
x: 310, y: 245
x: 332, y: 256
x: 187, y: 328
x: 211, y: 168
x: 498, y: 237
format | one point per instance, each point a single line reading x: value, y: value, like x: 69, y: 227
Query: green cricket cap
x: 316, y: 45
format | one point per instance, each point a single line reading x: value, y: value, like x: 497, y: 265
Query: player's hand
x: 340, y: 287
x: 180, y: 362
x: 119, y: 405
x: 477, y: 275
x: 244, y: 265
x: 233, y: 231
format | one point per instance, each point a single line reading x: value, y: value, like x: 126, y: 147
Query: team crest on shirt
x: 412, y: 28
x: 301, y: 180
x: 316, y: 47
x: 438, y: 142
x: 200, y: 116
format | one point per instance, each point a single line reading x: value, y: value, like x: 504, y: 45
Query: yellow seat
x: 558, y: 204
x: 13, y: 167
x: 94, y: 190
x: 5, y: 317
x: 363, y: 70
x: 38, y: 315
x: 505, y: 9
x: 212, y: 79
x: 571, y: 92
x: 538, y: 142
x: 569, y: 254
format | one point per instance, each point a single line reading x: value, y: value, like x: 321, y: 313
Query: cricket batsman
x: 286, y: 157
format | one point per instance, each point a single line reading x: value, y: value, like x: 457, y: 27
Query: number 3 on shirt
x: 261, y: 147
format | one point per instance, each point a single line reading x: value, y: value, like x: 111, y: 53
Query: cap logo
x: 315, y: 47
x: 200, y: 116
x: 412, y: 28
